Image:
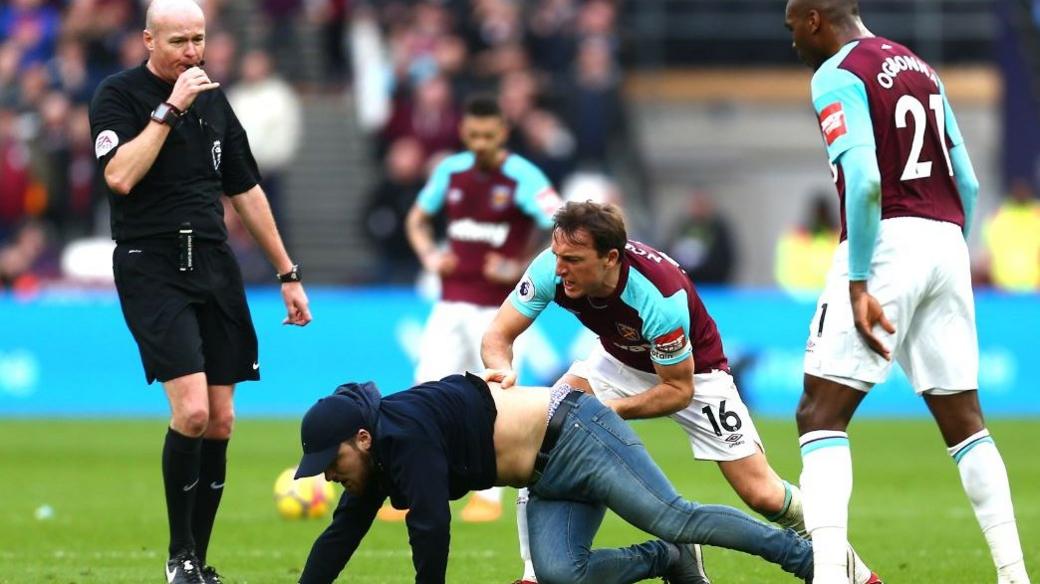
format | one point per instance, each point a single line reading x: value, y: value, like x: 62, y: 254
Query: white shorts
x: 451, y: 340
x: 921, y: 276
x: 717, y: 421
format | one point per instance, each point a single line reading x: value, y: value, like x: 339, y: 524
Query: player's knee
x: 763, y: 498
x: 191, y: 421
x: 220, y: 425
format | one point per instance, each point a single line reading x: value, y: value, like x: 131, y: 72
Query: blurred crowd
x: 555, y: 66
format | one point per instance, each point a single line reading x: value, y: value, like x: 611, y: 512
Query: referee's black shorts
x: 186, y: 322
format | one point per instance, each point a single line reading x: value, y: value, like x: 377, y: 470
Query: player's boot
x: 689, y: 569
x: 184, y: 568
x: 859, y: 573
x: 388, y: 513
x: 210, y: 575
x: 480, y: 510
x: 522, y: 581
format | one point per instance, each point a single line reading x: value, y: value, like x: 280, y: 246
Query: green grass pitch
x: 909, y: 517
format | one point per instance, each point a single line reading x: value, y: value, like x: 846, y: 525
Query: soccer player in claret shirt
x: 659, y: 352
x: 900, y: 285
x: 496, y: 203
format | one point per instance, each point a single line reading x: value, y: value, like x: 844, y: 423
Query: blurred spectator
x: 255, y: 267
x: 331, y: 16
x: 282, y: 40
x: 270, y: 113
x: 388, y: 205
x: 548, y: 144
x: 1012, y: 239
x: 551, y: 37
x: 26, y: 258
x: 220, y: 58
x: 32, y: 26
x: 428, y: 115
x: 595, y: 102
x: 702, y: 242
x: 804, y: 253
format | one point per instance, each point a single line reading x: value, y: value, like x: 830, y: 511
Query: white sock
x: 985, y: 481
x: 826, y: 489
x: 521, y: 530
x: 494, y: 494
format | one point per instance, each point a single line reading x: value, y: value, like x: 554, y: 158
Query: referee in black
x: 169, y: 147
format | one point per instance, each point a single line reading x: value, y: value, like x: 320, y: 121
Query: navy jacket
x: 433, y: 443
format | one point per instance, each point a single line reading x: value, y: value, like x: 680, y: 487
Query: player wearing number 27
x: 900, y: 284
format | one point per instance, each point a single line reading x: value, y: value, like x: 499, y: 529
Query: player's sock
x: 492, y: 495
x: 827, y: 486
x: 521, y: 530
x: 985, y: 481
x: 180, y: 468
x: 212, y: 467
x: 790, y: 515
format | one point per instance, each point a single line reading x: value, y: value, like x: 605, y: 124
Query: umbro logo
x: 733, y: 438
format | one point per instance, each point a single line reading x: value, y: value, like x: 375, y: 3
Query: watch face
x: 161, y: 110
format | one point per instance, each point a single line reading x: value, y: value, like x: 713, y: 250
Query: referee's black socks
x: 207, y: 498
x: 180, y: 468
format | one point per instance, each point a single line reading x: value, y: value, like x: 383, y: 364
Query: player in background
x: 900, y: 284
x: 659, y: 353
x: 495, y: 204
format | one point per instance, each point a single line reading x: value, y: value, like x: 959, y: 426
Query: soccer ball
x: 306, y: 498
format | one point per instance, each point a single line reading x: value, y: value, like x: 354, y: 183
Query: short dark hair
x: 483, y: 106
x: 603, y: 222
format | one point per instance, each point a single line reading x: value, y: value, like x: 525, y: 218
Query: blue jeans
x: 599, y: 463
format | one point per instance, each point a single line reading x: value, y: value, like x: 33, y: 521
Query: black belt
x: 552, y: 431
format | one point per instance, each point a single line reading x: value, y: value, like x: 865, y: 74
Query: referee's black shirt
x: 207, y: 155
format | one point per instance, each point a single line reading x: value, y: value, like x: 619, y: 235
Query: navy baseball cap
x: 325, y: 426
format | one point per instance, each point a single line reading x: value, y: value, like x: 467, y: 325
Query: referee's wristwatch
x: 167, y: 113
x: 293, y: 275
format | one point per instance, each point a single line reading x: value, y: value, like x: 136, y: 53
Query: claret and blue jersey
x: 487, y: 211
x: 654, y: 315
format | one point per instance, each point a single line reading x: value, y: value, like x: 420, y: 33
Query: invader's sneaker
x: 184, y: 568
x: 689, y: 569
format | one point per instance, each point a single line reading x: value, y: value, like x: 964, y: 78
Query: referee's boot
x: 184, y: 568
x: 210, y: 575
x: 689, y: 568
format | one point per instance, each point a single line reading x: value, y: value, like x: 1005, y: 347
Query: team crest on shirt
x: 832, y: 122
x: 669, y: 345
x: 454, y: 196
x: 501, y: 197
x: 105, y: 142
x: 215, y: 151
x: 628, y: 333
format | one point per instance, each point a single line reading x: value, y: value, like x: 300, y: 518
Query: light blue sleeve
x: 862, y: 207
x: 967, y: 183
x: 963, y: 171
x: 666, y: 319
x: 535, y: 195
x: 538, y: 286
x: 431, y: 197
x: 840, y: 101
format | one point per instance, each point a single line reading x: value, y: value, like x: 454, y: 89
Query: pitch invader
x: 495, y: 203
x: 900, y: 278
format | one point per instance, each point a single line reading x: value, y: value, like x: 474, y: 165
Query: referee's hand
x: 298, y: 312
x: 189, y: 85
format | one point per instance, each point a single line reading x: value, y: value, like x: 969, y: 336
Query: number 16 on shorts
x: 723, y: 419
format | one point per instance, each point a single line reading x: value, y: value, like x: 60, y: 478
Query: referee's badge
x: 105, y: 142
x: 215, y: 151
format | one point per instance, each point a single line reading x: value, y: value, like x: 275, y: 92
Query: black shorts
x: 186, y: 322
